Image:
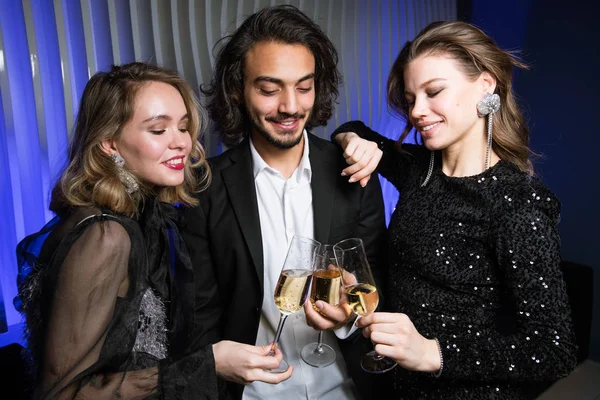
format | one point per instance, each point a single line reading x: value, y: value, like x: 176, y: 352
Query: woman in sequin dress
x: 107, y: 287
x: 476, y: 303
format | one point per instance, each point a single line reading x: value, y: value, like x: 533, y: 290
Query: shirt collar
x: 304, y: 171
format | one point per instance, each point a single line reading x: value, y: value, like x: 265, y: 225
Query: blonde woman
x: 107, y: 287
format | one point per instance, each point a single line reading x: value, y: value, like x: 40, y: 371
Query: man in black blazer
x: 274, y: 77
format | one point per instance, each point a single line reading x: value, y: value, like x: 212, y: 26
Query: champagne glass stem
x: 319, y: 348
x: 282, y: 319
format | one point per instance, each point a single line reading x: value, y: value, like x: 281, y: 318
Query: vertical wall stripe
x: 367, y: 76
x: 244, y: 9
x: 344, y: 93
x: 54, y: 132
x: 10, y: 200
x: 76, y: 49
x: 124, y: 31
x: 335, y: 33
x: 86, y: 18
x: 229, y: 17
x: 355, y: 51
x: 163, y: 34
x: 135, y: 23
x: 100, y: 31
x: 114, y: 32
x: 211, y: 18
x: 182, y: 43
x: 34, y: 69
x: 198, y: 42
x: 70, y: 107
x: 143, y: 36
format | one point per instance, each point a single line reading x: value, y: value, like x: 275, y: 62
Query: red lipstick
x: 175, y: 163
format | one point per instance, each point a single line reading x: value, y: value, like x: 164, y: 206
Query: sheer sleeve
x: 541, y: 346
x: 91, y: 277
x: 396, y: 165
x: 88, y: 290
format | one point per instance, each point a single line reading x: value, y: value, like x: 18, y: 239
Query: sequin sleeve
x: 535, y: 341
x: 395, y: 166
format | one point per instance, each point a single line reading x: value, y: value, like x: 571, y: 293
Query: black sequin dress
x: 105, y: 316
x: 475, y: 262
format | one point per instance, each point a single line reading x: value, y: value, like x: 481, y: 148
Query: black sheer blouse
x: 105, y: 317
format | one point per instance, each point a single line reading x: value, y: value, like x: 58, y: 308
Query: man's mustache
x: 283, y: 116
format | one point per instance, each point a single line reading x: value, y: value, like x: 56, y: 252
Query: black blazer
x: 223, y: 237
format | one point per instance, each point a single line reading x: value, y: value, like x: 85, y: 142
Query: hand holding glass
x: 326, y: 286
x: 361, y: 293
x: 292, y: 287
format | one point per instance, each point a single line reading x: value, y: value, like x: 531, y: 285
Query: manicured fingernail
x: 319, y: 304
x: 343, y: 173
x: 351, y: 180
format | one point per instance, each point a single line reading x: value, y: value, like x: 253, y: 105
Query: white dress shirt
x: 285, y: 210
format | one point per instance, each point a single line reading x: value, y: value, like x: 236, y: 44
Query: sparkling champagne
x: 326, y: 286
x: 362, y: 298
x: 291, y: 290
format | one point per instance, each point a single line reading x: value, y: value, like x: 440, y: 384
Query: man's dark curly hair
x: 282, y: 24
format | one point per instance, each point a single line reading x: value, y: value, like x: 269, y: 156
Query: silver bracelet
x: 439, y: 372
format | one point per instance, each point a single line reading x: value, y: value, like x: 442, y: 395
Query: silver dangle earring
x: 130, y: 183
x: 488, y: 105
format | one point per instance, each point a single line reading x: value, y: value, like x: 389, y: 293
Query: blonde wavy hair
x: 475, y: 52
x: 91, y: 177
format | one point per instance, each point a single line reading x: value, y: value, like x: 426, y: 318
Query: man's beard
x: 275, y: 141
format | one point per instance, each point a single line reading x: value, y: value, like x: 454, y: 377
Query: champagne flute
x: 361, y: 293
x: 292, y: 287
x: 326, y: 286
